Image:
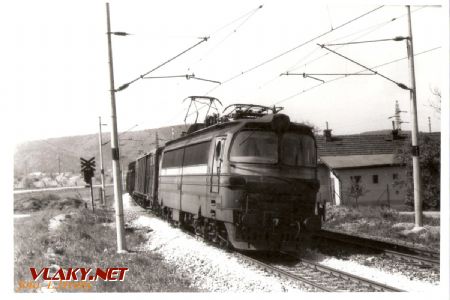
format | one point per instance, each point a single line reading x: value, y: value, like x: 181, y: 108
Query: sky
x: 58, y: 62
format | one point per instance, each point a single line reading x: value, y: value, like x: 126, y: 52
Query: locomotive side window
x: 196, y: 154
x: 255, y: 147
x: 173, y: 159
x: 298, y: 150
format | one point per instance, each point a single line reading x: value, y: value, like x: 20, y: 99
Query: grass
x: 383, y: 223
x: 59, y: 200
x: 86, y: 239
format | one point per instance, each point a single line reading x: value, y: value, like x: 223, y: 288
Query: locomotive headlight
x: 280, y: 123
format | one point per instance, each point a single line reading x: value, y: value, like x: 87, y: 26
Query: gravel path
x: 210, y: 268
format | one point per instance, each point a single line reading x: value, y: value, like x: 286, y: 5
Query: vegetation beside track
x: 84, y: 239
x: 383, y: 223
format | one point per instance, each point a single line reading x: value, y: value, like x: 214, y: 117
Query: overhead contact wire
x: 247, y: 17
x: 294, y: 48
x: 365, y: 31
x: 345, y: 76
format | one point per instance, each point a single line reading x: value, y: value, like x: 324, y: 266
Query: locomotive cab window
x: 255, y: 147
x: 298, y: 150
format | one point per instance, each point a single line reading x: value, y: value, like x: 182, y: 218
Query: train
x: 247, y: 180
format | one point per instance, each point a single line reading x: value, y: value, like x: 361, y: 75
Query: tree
x: 436, y: 102
x: 357, y: 189
x: 430, y: 167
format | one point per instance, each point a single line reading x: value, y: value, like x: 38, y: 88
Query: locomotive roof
x: 207, y: 133
x: 231, y: 127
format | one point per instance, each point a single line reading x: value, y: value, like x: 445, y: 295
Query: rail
x: 321, y: 277
x: 402, y: 251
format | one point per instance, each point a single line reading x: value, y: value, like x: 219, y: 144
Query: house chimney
x: 394, y: 132
x: 327, y: 134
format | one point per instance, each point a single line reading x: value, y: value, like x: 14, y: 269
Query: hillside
x: 42, y: 155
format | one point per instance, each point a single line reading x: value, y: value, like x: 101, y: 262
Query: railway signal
x: 87, y: 164
x: 88, y: 169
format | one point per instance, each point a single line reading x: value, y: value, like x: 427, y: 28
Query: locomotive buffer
x: 88, y: 169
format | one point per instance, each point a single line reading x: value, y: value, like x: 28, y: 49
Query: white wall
x: 376, y: 193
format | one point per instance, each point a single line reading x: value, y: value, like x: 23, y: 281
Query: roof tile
x: 365, y: 144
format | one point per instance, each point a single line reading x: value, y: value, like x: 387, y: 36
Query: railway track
x: 404, y: 253
x: 320, y: 277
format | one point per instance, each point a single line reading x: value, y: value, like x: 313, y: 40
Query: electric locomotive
x: 247, y: 180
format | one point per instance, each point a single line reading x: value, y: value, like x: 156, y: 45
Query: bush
x: 380, y: 223
x: 430, y: 167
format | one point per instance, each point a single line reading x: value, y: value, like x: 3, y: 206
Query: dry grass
x: 59, y: 200
x: 383, y: 223
x: 86, y: 239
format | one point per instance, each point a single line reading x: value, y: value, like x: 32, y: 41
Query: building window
x: 395, y: 176
x: 375, y: 178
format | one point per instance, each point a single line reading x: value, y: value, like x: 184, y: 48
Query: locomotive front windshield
x: 255, y: 146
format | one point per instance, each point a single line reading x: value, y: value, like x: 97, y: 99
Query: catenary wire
x: 366, y: 31
x: 399, y: 84
x: 371, y: 29
x: 203, y: 39
x: 248, y: 16
x: 292, y: 49
x: 300, y: 61
x: 342, y: 77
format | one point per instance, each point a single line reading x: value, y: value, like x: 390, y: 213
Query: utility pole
x: 429, y: 124
x: 414, y: 129
x: 59, y: 165
x: 121, y: 243
x: 102, y: 171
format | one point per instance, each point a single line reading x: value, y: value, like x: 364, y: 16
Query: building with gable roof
x: 369, y: 161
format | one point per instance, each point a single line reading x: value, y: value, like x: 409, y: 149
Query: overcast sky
x: 59, y: 64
